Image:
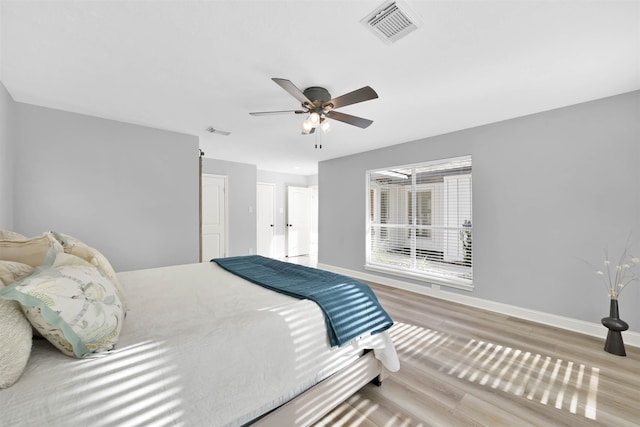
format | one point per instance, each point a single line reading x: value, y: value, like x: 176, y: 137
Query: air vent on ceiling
x: 218, y: 131
x: 392, y: 21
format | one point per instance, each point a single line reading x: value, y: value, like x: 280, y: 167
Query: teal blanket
x: 350, y: 307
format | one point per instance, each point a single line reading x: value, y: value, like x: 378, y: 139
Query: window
x: 419, y: 221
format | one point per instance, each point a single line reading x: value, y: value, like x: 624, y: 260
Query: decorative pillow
x: 15, y: 336
x: 15, y: 330
x: 30, y: 251
x: 73, y: 246
x: 11, y: 271
x: 71, y: 303
x: 11, y: 235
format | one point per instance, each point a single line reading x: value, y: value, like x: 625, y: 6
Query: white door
x: 214, y: 215
x: 265, y: 218
x: 314, y: 221
x: 298, y: 221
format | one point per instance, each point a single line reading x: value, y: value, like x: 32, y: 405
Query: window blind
x: 419, y: 221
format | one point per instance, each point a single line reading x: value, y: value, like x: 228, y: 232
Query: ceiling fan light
x: 307, y: 126
x: 325, y: 125
x: 314, y: 119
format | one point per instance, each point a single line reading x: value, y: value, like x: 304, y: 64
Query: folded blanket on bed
x: 350, y: 307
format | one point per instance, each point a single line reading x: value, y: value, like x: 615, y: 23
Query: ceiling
x: 187, y: 65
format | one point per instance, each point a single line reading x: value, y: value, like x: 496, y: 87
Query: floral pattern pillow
x: 71, y: 303
x: 73, y: 246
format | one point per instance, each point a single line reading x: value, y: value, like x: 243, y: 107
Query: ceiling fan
x: 317, y: 102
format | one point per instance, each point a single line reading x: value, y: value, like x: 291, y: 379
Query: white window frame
x: 373, y: 262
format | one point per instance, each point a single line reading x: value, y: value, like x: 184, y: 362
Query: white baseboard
x: 581, y: 326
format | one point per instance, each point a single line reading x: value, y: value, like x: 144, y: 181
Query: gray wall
x: 242, y: 203
x: 128, y: 190
x: 550, y: 192
x: 6, y: 159
x: 282, y: 181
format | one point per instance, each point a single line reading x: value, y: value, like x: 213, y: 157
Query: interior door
x: 314, y: 221
x: 265, y: 214
x: 298, y: 221
x: 214, y: 216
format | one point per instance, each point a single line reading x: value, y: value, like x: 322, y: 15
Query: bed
x: 200, y: 346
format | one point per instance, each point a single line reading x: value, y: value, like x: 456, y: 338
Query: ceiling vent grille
x: 218, y: 131
x: 391, y: 21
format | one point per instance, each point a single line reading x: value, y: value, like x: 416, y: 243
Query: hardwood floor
x: 462, y: 366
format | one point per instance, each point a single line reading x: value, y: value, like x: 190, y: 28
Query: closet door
x: 214, y: 217
x: 265, y: 214
x: 298, y: 221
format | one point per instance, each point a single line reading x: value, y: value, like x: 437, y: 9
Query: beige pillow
x: 15, y: 329
x: 74, y: 246
x: 11, y: 235
x: 11, y: 271
x: 16, y: 338
x: 31, y: 251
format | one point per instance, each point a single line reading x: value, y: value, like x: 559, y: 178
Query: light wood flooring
x: 462, y: 366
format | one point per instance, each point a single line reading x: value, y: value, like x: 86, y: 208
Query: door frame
x: 226, y: 211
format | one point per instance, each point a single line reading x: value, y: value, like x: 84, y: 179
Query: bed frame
x: 313, y: 404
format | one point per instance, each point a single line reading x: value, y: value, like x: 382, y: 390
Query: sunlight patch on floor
x: 565, y: 385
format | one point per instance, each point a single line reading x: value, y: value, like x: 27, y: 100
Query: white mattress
x: 199, y: 346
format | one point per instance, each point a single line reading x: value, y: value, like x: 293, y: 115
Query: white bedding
x: 199, y: 346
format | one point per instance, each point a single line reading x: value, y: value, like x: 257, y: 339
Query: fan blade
x: 269, y: 113
x: 348, y: 118
x: 293, y: 91
x: 358, y: 95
